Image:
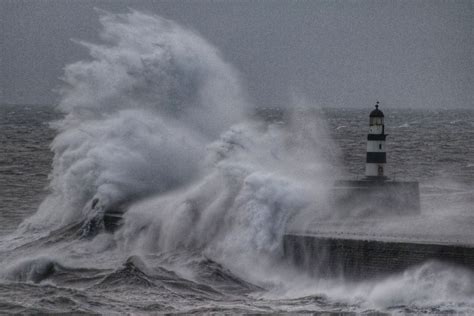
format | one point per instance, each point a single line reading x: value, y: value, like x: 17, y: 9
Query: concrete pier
x: 366, y: 259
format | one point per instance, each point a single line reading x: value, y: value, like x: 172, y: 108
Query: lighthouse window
x: 376, y: 121
x: 380, y: 146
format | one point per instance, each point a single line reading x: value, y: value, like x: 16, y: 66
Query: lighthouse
x: 376, y: 156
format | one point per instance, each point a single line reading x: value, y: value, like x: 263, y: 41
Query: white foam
x: 138, y: 115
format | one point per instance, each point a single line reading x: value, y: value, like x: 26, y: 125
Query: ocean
x: 161, y: 129
x: 56, y: 270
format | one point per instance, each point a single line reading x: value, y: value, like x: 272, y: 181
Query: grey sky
x: 336, y: 53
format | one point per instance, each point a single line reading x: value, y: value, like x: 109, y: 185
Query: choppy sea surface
x: 51, y: 269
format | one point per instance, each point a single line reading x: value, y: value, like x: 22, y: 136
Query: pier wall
x: 365, y: 259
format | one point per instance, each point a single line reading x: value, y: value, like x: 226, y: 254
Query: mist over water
x: 139, y: 114
x: 157, y: 123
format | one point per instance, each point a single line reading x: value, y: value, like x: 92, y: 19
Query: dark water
x: 60, y: 270
x: 25, y: 160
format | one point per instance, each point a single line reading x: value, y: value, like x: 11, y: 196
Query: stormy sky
x: 335, y: 53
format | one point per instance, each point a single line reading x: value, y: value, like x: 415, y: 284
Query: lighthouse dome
x: 376, y: 112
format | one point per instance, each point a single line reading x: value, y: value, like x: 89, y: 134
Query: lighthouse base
x: 375, y: 228
x: 377, y: 196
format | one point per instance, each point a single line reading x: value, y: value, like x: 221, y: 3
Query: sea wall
x: 364, y: 259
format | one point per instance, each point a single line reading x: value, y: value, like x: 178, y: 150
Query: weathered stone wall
x: 360, y: 259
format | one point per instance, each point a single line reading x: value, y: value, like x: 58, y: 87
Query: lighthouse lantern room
x: 376, y: 156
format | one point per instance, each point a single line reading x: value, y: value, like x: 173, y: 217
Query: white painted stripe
x: 375, y: 146
x: 372, y: 169
x: 375, y: 129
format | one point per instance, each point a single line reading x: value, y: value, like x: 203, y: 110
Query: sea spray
x: 237, y: 213
x: 138, y: 115
x: 157, y: 122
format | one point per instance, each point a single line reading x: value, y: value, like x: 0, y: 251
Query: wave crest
x: 138, y: 115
